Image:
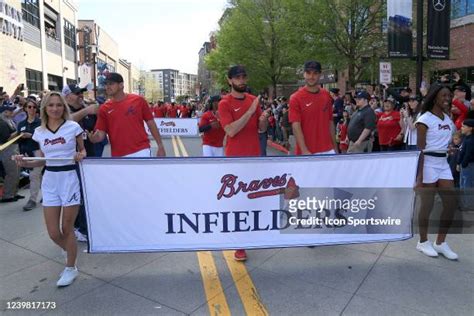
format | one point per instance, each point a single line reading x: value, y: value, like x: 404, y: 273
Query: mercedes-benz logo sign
x: 439, y: 5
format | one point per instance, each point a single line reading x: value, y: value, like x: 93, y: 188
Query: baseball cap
x: 362, y: 95
x: 460, y: 88
x: 113, y: 77
x: 72, y: 88
x: 468, y: 122
x: 312, y: 65
x: 7, y: 107
x: 235, y: 71
x: 334, y: 90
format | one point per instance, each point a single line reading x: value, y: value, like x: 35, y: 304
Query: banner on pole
x: 400, y: 22
x: 385, y: 72
x: 439, y: 26
x: 176, y: 126
x: 188, y: 204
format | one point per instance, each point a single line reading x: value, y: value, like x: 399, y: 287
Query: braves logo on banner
x: 439, y: 23
x: 247, y: 202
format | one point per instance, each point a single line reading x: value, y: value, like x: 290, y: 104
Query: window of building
x: 69, y: 34
x: 55, y: 83
x: 30, y: 9
x: 460, y: 8
x: 34, y: 81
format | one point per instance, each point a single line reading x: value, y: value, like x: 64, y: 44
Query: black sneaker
x: 19, y: 197
x: 8, y: 200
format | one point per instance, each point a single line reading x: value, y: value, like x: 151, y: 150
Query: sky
x: 400, y: 7
x: 155, y: 34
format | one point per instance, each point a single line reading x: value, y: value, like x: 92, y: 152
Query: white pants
x: 210, y: 151
x: 140, y: 154
x: 61, y: 188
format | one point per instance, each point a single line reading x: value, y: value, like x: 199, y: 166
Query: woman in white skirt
x: 434, y: 132
x: 59, y: 137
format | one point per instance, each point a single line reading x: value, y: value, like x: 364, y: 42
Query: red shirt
x: 159, y: 111
x: 271, y: 121
x: 458, y: 119
x: 388, y: 127
x: 123, y: 122
x: 172, y: 112
x: 184, y: 111
x: 342, y: 136
x: 245, y: 142
x: 314, y: 111
x: 215, y: 136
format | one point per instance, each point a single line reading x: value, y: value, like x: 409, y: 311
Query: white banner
x: 385, y: 72
x: 186, y: 204
x: 176, y: 126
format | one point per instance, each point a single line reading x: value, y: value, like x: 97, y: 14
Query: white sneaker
x: 445, y: 251
x: 67, y: 276
x: 426, y: 248
x: 80, y: 236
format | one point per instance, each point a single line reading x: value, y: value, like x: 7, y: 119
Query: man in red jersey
x: 122, y: 117
x: 172, y: 111
x: 159, y: 110
x: 311, y: 115
x: 213, y: 134
x: 242, y: 119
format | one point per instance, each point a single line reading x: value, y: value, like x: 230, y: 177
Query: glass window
x: 460, y: 8
x: 34, y: 81
x: 30, y: 10
x: 69, y: 34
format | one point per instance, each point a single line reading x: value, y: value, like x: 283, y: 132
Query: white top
x: 411, y: 134
x: 58, y: 144
x: 439, y: 132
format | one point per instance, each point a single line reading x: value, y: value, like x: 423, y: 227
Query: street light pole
x: 419, y: 45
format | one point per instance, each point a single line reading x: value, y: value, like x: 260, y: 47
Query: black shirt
x: 361, y: 119
x: 28, y: 145
x: 466, y: 156
x: 87, y: 124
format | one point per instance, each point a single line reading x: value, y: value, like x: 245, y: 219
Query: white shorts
x: 329, y: 152
x: 436, y: 168
x: 210, y: 151
x: 140, y: 154
x: 61, y: 188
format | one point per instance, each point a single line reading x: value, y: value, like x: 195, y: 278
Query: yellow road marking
x: 216, y: 299
x: 253, y: 305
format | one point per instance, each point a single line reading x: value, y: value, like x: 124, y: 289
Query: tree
x: 257, y: 34
x: 151, y: 88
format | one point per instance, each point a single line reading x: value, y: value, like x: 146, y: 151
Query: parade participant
x: 184, y: 110
x: 29, y: 147
x: 311, y: 115
x: 58, y: 137
x: 122, y: 117
x: 172, y: 111
x: 159, y: 110
x: 242, y: 118
x: 213, y: 134
x: 435, y: 130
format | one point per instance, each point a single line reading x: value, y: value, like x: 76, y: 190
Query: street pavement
x: 365, y: 279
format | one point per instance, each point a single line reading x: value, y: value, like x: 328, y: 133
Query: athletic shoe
x: 80, y: 236
x: 19, y: 197
x: 29, y: 205
x: 426, y: 248
x: 67, y: 276
x: 240, y: 255
x: 445, y: 251
x: 8, y: 200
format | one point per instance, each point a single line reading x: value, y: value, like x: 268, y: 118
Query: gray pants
x: 12, y: 176
x: 365, y: 147
x: 35, y: 183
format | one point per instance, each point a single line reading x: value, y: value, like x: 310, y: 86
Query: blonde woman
x: 59, y: 137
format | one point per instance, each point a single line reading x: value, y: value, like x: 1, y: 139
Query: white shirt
x: 60, y: 143
x: 439, y: 131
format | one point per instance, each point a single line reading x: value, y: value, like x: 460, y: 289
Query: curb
x: 278, y: 147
